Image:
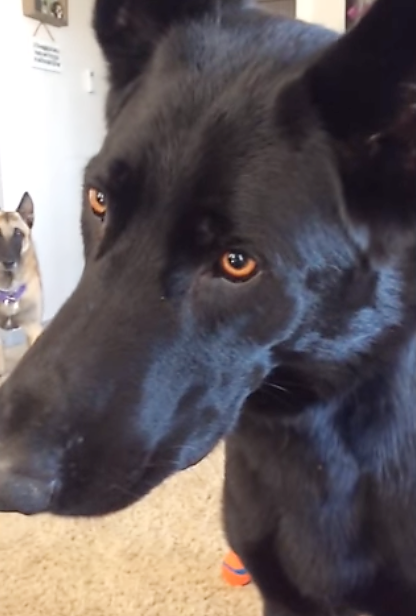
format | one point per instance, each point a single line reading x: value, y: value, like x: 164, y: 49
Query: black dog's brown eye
x: 237, y: 266
x: 97, y: 202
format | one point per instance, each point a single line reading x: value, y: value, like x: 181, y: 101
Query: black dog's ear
x: 364, y: 91
x: 127, y: 30
x: 26, y: 209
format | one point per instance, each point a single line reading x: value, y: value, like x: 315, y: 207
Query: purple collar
x: 7, y: 296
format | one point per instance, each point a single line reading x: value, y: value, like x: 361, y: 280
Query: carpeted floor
x: 159, y: 558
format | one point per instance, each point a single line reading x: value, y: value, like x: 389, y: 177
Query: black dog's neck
x: 387, y: 387
x: 377, y: 421
x: 370, y: 428
x: 285, y: 392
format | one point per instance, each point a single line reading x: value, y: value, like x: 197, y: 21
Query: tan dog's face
x: 15, y: 238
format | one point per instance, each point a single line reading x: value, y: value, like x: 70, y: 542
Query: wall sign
x: 46, y: 56
x: 52, y: 12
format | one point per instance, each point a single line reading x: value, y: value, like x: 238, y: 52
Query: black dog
x: 250, y: 239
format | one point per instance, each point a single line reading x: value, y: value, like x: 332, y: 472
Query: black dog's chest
x: 305, y: 513
x: 305, y: 507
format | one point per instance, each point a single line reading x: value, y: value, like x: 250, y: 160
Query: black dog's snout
x: 25, y: 495
x: 27, y: 484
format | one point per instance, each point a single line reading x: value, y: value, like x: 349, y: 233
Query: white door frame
x: 329, y: 13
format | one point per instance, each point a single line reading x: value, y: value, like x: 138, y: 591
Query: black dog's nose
x: 27, y: 495
x: 9, y: 264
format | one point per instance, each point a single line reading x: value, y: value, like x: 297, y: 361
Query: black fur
x: 230, y: 130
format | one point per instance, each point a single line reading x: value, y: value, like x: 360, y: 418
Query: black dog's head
x: 252, y: 210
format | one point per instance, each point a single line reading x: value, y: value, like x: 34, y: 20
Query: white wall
x: 329, y: 13
x: 49, y: 127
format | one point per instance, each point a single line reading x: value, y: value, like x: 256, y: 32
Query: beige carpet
x: 161, y: 557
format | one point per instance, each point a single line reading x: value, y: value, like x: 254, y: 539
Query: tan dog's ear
x: 26, y: 210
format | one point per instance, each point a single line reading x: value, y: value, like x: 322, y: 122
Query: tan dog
x: 20, y: 283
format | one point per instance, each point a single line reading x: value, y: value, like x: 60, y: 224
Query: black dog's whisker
x: 277, y: 387
x: 124, y: 490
